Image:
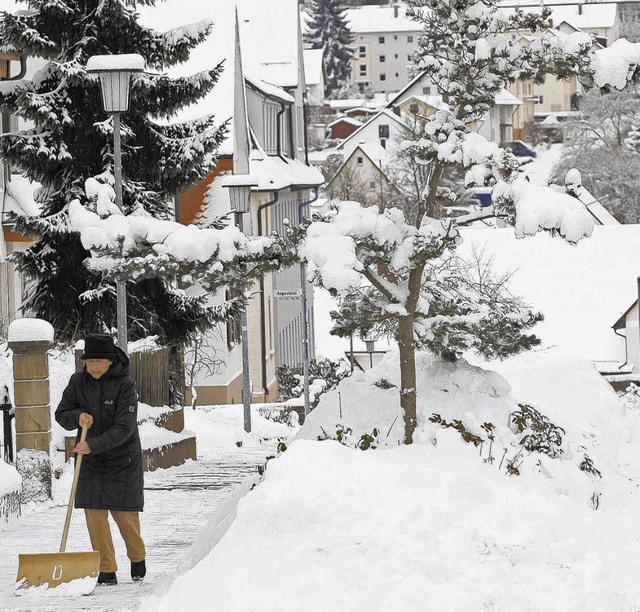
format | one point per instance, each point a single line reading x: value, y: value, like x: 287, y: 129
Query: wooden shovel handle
x: 72, y: 497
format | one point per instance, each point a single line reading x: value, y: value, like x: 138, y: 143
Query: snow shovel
x: 54, y: 569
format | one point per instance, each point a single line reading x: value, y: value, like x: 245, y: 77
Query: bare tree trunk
x: 407, y: 376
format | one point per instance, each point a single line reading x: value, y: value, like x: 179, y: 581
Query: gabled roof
x: 349, y: 120
x: 621, y: 322
x: 383, y: 113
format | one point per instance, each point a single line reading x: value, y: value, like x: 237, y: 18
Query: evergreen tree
x: 71, y: 141
x: 328, y: 30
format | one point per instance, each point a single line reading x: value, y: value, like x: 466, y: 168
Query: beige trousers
x: 100, y: 535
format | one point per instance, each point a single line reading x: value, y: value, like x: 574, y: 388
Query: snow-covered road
x: 178, y: 503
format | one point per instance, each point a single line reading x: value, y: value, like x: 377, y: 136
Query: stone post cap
x: 30, y: 334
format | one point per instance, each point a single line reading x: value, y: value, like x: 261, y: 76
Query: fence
x: 159, y: 376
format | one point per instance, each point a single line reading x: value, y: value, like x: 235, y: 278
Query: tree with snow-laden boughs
x: 400, y: 276
x: 71, y: 142
x: 328, y: 30
x: 395, y: 275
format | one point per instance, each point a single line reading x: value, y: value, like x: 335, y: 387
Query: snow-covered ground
x: 440, y: 525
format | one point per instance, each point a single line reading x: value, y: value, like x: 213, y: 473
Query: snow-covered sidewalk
x: 178, y: 504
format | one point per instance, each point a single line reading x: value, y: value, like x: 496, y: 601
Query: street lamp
x: 239, y: 186
x: 115, y: 73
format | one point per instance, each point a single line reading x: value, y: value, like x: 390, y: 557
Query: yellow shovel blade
x: 54, y: 569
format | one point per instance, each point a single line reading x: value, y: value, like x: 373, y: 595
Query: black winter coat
x: 111, y: 475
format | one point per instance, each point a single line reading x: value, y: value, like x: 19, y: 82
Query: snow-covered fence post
x: 30, y: 339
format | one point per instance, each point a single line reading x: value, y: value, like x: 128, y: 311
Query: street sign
x: 288, y: 294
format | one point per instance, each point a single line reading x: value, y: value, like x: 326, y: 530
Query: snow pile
x: 10, y: 480
x: 397, y: 528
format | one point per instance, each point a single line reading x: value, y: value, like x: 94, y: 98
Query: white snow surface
x: 30, y: 330
x: 581, y: 289
x: 401, y: 527
x: 132, y: 62
x: 10, y: 480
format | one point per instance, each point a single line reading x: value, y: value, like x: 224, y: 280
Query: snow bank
x: 332, y: 527
x: 10, y: 480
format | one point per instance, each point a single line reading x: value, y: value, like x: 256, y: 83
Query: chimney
x: 579, y: 9
x: 396, y: 10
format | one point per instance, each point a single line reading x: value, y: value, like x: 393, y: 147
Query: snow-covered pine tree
x: 412, y: 287
x: 328, y: 29
x: 71, y: 141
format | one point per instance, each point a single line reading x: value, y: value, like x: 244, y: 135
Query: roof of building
x: 583, y: 16
x: 349, y: 120
x: 380, y: 19
x: 384, y: 113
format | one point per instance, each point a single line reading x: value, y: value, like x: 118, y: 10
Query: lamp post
x: 115, y: 73
x: 239, y: 186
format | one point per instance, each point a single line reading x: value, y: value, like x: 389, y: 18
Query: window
x: 426, y: 91
x: 540, y: 100
x: 383, y: 144
x: 413, y: 108
x: 383, y: 77
x: 395, y: 56
x: 409, y: 39
x: 363, y: 69
x: 359, y: 160
x: 372, y: 184
x: 383, y: 59
x: 383, y: 131
x: 397, y: 75
x: 381, y: 39
x: 362, y: 51
x: 395, y: 37
x: 409, y: 57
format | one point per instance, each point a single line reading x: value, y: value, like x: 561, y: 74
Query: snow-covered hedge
x: 10, y: 483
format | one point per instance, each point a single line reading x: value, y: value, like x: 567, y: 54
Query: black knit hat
x: 99, y: 346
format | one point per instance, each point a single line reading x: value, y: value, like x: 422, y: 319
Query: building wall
x: 554, y: 95
x: 633, y: 339
x: 382, y: 60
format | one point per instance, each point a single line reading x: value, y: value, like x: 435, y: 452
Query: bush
x: 325, y: 372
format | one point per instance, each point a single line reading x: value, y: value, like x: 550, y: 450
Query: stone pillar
x: 30, y: 339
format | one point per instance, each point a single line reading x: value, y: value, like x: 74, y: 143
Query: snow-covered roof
x: 313, y: 66
x: 376, y: 102
x: 582, y: 16
x: 384, y: 113
x: 506, y: 98
x: 349, y: 120
x: 375, y: 152
x: 274, y: 173
x: 433, y: 101
x: 269, y: 42
x: 366, y: 19
x: 581, y: 289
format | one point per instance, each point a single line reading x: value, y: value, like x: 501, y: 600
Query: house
x: 385, y: 40
x: 363, y: 177
x: 620, y: 374
x: 343, y: 127
x: 262, y: 90
x: 383, y: 128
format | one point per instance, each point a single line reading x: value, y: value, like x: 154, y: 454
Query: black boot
x: 138, y: 570
x: 107, y: 578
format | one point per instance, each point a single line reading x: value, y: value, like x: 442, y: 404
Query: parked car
x: 519, y: 148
